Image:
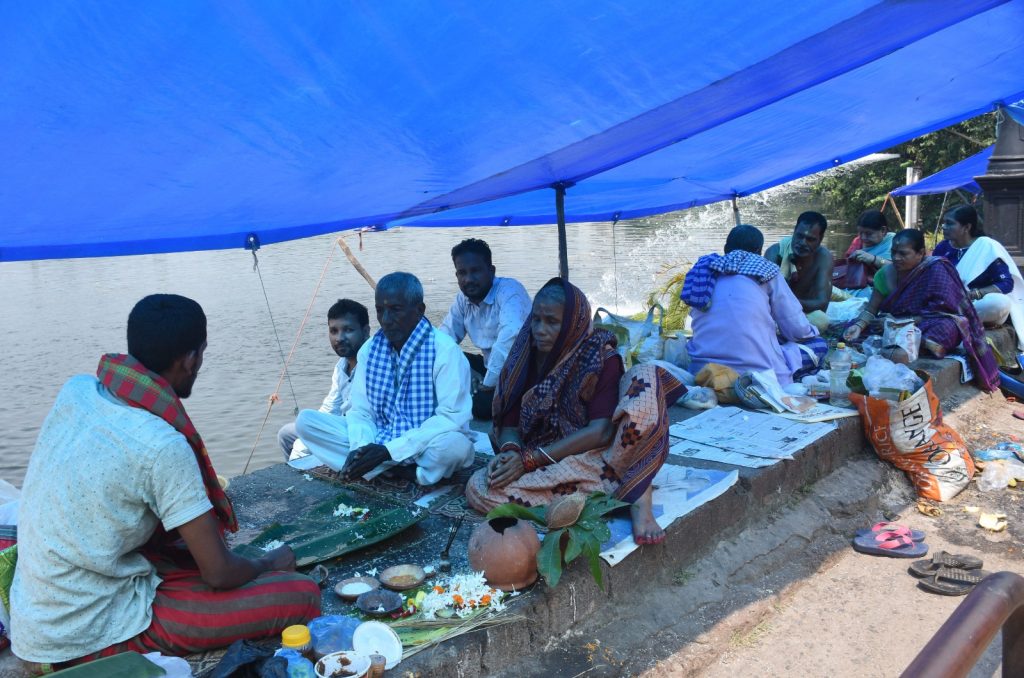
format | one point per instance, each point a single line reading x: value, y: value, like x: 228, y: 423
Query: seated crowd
x: 119, y: 460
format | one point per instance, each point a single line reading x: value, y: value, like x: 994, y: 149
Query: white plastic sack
x: 645, y: 340
x: 679, y: 373
x: 844, y: 311
x: 904, y: 334
x: 880, y: 373
x: 699, y: 398
x: 675, y: 351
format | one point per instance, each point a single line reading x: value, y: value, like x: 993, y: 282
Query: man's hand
x: 853, y: 332
x: 363, y: 460
x: 280, y: 560
x: 505, y: 468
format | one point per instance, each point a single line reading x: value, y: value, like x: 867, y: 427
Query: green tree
x: 846, y: 194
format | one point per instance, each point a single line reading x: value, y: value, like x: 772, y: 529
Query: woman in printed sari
x: 566, y: 420
x: 872, y: 248
x: 929, y: 290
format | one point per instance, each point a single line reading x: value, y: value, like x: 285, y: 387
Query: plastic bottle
x: 297, y: 648
x: 839, y: 371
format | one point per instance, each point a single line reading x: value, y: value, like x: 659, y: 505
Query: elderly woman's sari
x: 553, y: 404
x: 935, y: 296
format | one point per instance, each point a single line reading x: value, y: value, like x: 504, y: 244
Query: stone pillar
x: 1003, y: 186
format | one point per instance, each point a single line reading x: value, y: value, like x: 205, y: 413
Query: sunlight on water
x: 60, y: 316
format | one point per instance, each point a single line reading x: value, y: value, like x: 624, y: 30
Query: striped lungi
x: 189, y: 616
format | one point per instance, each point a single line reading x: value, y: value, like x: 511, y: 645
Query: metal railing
x: 997, y: 602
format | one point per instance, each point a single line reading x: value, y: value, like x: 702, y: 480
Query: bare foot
x: 645, y: 528
x: 934, y: 348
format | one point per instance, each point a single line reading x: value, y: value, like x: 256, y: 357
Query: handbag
x: 850, y: 274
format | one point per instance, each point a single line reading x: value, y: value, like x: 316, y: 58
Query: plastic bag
x: 902, y: 332
x: 844, y: 311
x: 881, y: 375
x: 721, y: 379
x: 684, y: 377
x: 1001, y: 451
x: 911, y: 436
x: 246, y: 659
x: 675, y: 350
x: 332, y: 633
x: 996, y: 476
x: 645, y: 342
x: 699, y: 398
x: 176, y: 667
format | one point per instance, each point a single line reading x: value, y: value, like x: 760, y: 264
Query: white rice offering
x: 356, y: 588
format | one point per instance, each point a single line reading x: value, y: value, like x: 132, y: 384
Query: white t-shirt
x: 102, y: 476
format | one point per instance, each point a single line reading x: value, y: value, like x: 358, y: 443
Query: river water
x: 60, y: 316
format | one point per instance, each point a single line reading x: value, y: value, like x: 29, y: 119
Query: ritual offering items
x: 403, y: 577
x: 353, y: 587
x: 505, y: 549
x: 373, y: 637
x: 343, y: 665
x: 379, y: 603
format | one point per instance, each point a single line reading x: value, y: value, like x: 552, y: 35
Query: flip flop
x: 951, y: 581
x: 915, y: 535
x: 890, y: 545
x: 941, y: 559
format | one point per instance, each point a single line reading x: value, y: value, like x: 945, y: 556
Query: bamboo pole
x: 563, y: 247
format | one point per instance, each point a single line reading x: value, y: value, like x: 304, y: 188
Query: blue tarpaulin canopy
x: 958, y: 176
x: 133, y: 128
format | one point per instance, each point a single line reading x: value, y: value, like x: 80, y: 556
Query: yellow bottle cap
x: 296, y: 637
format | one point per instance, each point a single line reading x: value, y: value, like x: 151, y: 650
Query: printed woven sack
x: 911, y: 436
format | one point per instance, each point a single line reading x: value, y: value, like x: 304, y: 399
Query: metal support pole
x: 736, y: 209
x: 910, y: 209
x: 563, y: 247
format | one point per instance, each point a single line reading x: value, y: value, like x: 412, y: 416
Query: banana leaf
x: 318, y: 535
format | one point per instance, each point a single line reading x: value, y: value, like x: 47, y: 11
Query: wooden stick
x: 355, y: 263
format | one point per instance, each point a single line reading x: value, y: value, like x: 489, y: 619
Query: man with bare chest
x: 807, y: 266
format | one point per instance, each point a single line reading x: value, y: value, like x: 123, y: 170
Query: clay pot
x: 506, y: 550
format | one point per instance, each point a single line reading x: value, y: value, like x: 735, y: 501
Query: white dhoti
x: 993, y: 309
x: 326, y: 436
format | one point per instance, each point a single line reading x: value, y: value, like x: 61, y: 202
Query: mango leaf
x: 549, y: 558
x: 598, y: 528
x: 599, y: 504
x: 575, y: 544
x: 518, y: 511
x: 593, y: 550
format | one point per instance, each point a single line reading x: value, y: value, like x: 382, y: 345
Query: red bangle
x: 529, y: 460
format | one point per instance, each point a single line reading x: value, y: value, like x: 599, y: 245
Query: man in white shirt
x: 348, y: 327
x: 490, y: 310
x: 411, y: 404
x: 121, y: 544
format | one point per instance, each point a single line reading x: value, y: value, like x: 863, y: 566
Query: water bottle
x: 839, y: 371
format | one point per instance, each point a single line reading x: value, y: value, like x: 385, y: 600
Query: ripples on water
x: 60, y: 316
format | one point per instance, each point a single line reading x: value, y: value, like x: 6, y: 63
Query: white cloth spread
x: 978, y: 257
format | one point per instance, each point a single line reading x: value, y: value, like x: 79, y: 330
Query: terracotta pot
x: 506, y: 550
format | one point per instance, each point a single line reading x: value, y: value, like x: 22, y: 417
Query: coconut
x: 565, y: 511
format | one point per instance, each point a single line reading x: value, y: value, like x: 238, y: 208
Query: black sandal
x: 929, y: 566
x: 951, y: 581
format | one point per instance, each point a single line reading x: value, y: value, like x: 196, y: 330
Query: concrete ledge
x: 578, y: 606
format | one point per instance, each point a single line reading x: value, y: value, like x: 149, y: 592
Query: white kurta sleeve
x: 362, y: 426
x: 513, y: 309
x: 454, y: 402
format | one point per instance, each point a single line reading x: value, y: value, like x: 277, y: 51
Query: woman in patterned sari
x: 566, y: 420
x: 929, y: 290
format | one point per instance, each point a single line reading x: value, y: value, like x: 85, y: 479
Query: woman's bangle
x: 510, y: 446
x: 529, y: 460
x: 545, y: 453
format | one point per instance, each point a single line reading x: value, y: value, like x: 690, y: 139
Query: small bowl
x: 369, y: 581
x: 403, y: 577
x: 379, y: 603
x: 332, y: 665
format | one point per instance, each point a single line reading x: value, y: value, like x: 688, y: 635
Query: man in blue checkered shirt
x: 411, y: 402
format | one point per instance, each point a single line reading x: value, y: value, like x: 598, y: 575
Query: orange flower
x: 457, y: 598
x: 472, y: 603
x: 438, y: 589
x: 485, y: 600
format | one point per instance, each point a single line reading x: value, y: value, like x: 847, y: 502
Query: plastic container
x: 840, y: 362
x: 298, y: 665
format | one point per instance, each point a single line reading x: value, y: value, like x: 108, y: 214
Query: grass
x: 683, y: 577
x: 752, y: 636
